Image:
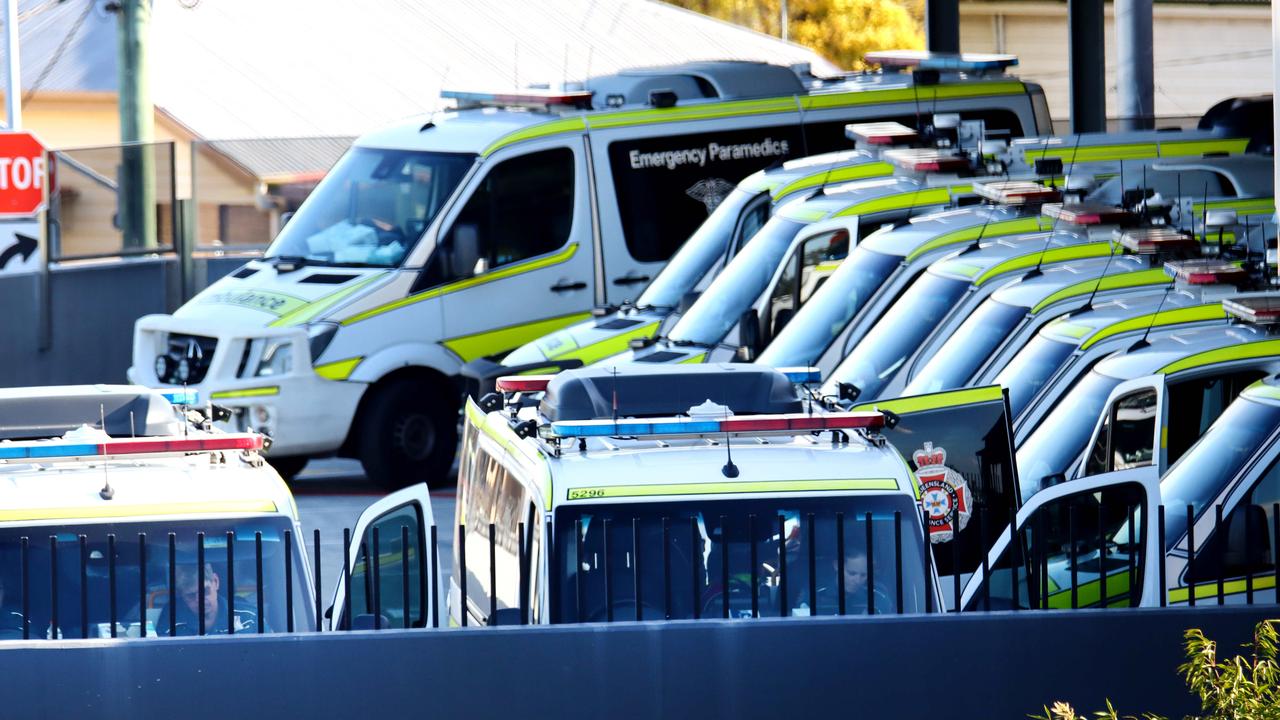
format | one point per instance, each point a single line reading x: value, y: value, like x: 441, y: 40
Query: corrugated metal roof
x: 279, y: 157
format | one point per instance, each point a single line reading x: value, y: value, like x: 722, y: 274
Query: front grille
x: 186, y: 359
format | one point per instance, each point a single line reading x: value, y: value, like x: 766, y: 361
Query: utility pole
x: 783, y: 21
x: 13, y: 92
x: 1135, y: 72
x: 137, y: 192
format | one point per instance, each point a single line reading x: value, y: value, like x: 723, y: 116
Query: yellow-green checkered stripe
x: 1197, y: 313
x: 936, y: 401
x: 1119, y: 281
x: 1247, y: 351
x: 730, y: 488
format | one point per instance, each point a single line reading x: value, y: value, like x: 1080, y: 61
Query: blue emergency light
x: 793, y: 423
x: 182, y: 397
x: 44, y: 450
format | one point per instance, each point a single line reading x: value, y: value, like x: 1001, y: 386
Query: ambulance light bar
x: 1154, y: 239
x: 1257, y: 310
x: 45, y: 450
x: 750, y: 424
x: 880, y: 133
x: 942, y: 62
x: 182, y: 397
x: 927, y: 160
x: 1016, y: 192
x: 1087, y: 213
x: 802, y: 375
x: 580, y: 99
x: 1206, y: 271
x: 522, y: 383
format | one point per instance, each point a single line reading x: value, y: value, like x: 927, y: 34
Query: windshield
x: 1205, y: 469
x: 741, y: 283
x: 905, y: 325
x: 972, y: 344
x: 71, y: 574
x: 708, y: 245
x: 1030, y: 369
x: 1064, y: 432
x: 692, y: 558
x: 371, y: 208
x: 829, y: 311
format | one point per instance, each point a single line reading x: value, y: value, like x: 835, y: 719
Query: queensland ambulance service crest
x: 944, y: 494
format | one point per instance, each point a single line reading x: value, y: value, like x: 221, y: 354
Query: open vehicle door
x: 1132, y: 430
x: 959, y: 446
x: 393, y: 574
x: 1087, y: 543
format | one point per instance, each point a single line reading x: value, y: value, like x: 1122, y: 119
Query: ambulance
x: 1205, y: 532
x: 117, y: 502
x: 709, y: 491
x: 468, y: 233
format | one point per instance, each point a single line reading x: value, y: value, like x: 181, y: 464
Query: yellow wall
x: 1202, y: 53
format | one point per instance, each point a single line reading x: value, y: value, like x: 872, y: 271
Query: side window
x: 1196, y: 403
x: 521, y: 209
x: 753, y: 218
x: 803, y: 274
x: 829, y: 135
x: 1243, y: 545
x: 388, y: 570
x: 1107, y: 529
x: 493, y: 560
x: 667, y: 186
x: 1127, y: 438
x: 533, y: 543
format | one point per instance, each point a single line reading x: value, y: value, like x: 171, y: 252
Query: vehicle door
x: 1083, y: 544
x: 515, y: 257
x: 958, y: 446
x: 1235, y: 540
x: 392, y: 574
x: 1130, y: 432
x: 654, y: 188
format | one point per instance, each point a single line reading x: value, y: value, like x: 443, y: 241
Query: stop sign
x: 23, y: 174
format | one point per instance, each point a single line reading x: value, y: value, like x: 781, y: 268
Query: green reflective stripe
x: 1247, y: 351
x: 697, y: 111
x: 920, y: 93
x: 963, y: 269
x: 510, y: 442
x: 505, y: 271
x: 1088, y: 594
x: 1095, y: 153
x: 995, y: 229
x: 799, y: 213
x: 693, y: 359
x: 1053, y: 255
x: 1231, y: 587
x: 553, y: 127
x: 492, y: 342
x: 1062, y: 328
x: 1262, y: 391
x: 1242, y: 206
x: 936, y: 401
x: 835, y: 175
x: 246, y: 393
x: 730, y: 488
x: 1233, y: 146
x: 1140, y: 278
x: 900, y: 201
x: 314, y: 308
x: 267, y: 301
x: 1197, y: 313
x: 338, y: 370
x: 609, y: 346
x: 828, y: 266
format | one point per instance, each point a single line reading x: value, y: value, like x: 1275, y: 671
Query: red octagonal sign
x: 23, y: 174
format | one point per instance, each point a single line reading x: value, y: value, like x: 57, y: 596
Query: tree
x: 840, y: 30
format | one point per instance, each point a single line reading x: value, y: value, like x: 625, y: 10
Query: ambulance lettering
x: 944, y: 494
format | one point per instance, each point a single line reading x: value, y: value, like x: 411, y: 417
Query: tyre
x: 288, y: 465
x: 408, y: 433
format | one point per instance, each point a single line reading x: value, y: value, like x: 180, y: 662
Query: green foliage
x: 1239, y: 688
x: 840, y: 30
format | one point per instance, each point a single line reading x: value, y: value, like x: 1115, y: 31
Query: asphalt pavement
x: 331, y: 494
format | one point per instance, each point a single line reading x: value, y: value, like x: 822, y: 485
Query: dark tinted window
x: 1242, y: 545
x: 667, y: 186
x: 827, y: 136
x: 492, y: 496
x: 1127, y: 437
x: 1196, y: 403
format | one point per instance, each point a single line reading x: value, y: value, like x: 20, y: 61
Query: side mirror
x: 848, y: 391
x: 687, y: 300
x: 1049, y: 481
x: 465, y: 249
x: 749, y: 335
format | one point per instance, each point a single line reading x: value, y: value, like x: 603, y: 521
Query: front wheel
x: 408, y: 433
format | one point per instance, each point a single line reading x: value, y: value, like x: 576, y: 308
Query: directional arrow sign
x: 20, y: 248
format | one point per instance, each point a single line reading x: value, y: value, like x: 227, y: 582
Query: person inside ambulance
x: 187, y: 610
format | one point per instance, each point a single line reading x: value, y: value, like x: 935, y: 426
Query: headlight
x: 320, y: 335
x: 276, y: 359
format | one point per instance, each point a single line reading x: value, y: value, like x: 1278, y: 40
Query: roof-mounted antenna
x: 1142, y: 342
x: 106, y: 493
x: 1204, y: 226
x: 729, y: 470
x: 1053, y: 227
x: 133, y: 431
x: 102, y: 417
x: 613, y: 381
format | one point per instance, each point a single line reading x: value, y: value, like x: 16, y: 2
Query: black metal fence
x: 255, y: 577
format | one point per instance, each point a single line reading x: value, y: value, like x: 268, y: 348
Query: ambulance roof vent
x: 716, y: 79
x: 47, y: 412
x: 600, y: 393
